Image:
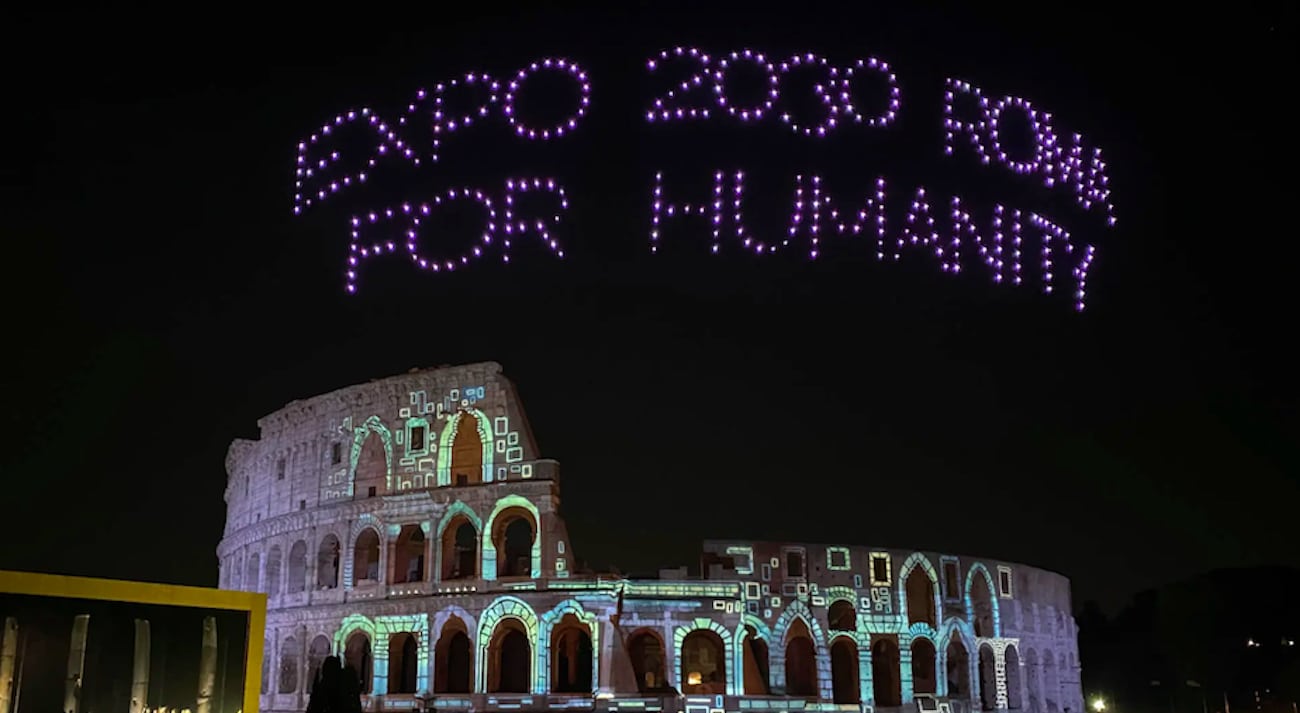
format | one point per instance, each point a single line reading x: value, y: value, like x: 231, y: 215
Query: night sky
x: 162, y: 297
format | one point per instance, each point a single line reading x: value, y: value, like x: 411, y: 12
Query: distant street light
x: 1098, y: 704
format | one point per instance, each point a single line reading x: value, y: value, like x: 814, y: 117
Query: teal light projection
x: 359, y: 435
x: 489, y: 547
x: 506, y: 607
x: 484, y: 426
x: 546, y: 658
x: 978, y: 569
x: 729, y: 650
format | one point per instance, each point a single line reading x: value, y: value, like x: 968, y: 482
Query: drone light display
x: 1005, y: 242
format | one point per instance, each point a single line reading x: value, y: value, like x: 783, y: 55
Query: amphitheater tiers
x: 410, y: 526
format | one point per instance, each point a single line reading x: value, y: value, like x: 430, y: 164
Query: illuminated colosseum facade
x: 410, y: 525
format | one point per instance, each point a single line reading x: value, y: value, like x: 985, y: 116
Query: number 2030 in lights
x: 1008, y: 244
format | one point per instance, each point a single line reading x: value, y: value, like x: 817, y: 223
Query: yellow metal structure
x: 113, y: 590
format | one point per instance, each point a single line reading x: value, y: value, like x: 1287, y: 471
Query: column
x: 76, y: 663
x: 140, y: 671
x: 207, y: 666
x: 8, y: 654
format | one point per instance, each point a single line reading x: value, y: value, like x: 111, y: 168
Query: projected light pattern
x: 917, y: 229
x: 443, y: 125
x: 832, y: 74
x: 664, y: 108
x: 401, y: 629
x: 746, y: 113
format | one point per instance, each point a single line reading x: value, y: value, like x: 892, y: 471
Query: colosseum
x: 411, y: 526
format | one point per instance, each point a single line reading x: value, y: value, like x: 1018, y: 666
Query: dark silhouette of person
x: 336, y: 689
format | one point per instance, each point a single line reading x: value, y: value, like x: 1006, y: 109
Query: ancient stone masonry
x: 410, y: 526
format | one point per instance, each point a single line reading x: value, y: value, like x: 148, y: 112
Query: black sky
x: 162, y: 297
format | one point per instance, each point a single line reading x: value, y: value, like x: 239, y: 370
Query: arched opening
x: 459, y: 549
x: 1050, y: 685
x: 288, y: 666
x: 372, y: 469
x: 920, y: 597
x: 958, y: 670
x: 273, y: 564
x: 297, y: 580
x: 981, y: 598
x: 844, y: 671
x: 841, y: 616
x: 758, y: 680
x: 646, y: 651
x: 1033, y: 681
x: 252, y: 572
x: 800, y: 661
x: 316, y: 654
x: 267, y: 657
x: 408, y: 555
x: 885, y: 678
x: 704, y: 663
x: 512, y: 536
x: 467, y: 452
x: 327, y: 563
x: 988, y: 679
x: 403, y: 663
x: 571, y: 656
x: 509, y: 665
x: 454, y: 659
x: 1013, y: 678
x: 356, y: 654
x: 365, y: 558
x: 924, y: 676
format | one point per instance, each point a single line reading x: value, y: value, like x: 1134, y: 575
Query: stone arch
x: 319, y: 649
x: 408, y: 554
x: 366, y: 520
x: 371, y: 426
x: 988, y: 678
x: 886, y: 671
x: 451, y: 560
x: 489, y: 567
x: 453, y: 657
x: 797, y: 609
x: 841, y: 615
x: 845, y: 677
x: 253, y: 572
x: 990, y: 619
x: 925, y: 666
x: 367, y: 557
x: 553, y: 619
x: 289, y: 664
x: 447, y: 442
x: 645, y: 648
x: 505, y: 608
x: 1011, y: 662
x: 359, y: 655
x: 296, y: 570
x: 918, y: 590
x: 728, y: 653
x: 329, y: 561
x: 403, y: 662
x: 1051, y: 684
x: 753, y: 654
x: 800, y: 660
x: 274, y: 565
x: 957, y: 668
x: 1033, y: 682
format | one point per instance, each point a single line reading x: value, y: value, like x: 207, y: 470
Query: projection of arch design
x: 453, y: 510
x: 916, y: 559
x: 359, y: 435
x: 351, y: 624
x: 366, y: 520
x: 505, y: 607
x: 764, y: 633
x: 489, y: 549
x: 448, y: 437
x: 385, y: 627
x: 960, y: 630
x: 798, y: 609
x: 548, y: 622
x: 728, y: 643
x: 993, y: 597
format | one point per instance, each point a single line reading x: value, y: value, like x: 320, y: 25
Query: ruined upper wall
x: 396, y: 434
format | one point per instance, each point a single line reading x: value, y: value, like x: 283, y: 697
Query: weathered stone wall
x: 975, y: 631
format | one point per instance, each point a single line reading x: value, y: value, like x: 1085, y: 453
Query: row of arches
x: 460, y: 548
